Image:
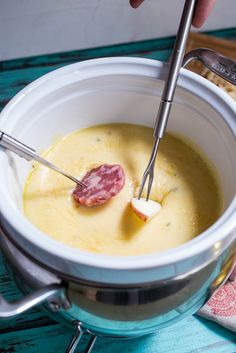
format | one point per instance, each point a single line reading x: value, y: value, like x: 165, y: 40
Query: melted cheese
x: 184, y: 184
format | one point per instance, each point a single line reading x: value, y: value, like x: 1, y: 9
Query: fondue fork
x: 168, y: 91
x: 26, y: 152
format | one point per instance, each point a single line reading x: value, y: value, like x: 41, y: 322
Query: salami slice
x: 103, y: 183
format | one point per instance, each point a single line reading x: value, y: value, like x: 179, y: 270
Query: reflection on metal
x: 226, y: 269
x: 217, y: 247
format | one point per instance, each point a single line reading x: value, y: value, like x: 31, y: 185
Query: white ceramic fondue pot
x: 110, y: 295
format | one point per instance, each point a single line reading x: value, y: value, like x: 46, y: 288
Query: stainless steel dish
x: 116, y: 296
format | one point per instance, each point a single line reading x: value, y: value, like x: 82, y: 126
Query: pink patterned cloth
x: 221, y: 307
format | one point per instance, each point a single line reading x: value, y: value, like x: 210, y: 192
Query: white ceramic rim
x: 201, y: 87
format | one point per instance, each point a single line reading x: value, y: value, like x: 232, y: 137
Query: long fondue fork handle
x: 174, y: 68
x: 169, y: 90
x: 28, y: 153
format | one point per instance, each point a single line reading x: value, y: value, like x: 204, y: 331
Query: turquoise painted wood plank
x: 11, y: 82
x: 189, y: 336
x: 85, y: 54
x: 141, y: 47
x: 16, y: 74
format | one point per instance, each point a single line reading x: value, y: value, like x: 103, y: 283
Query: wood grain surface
x: 34, y: 332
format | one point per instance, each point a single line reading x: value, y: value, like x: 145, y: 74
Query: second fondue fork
x: 28, y: 153
x: 168, y: 92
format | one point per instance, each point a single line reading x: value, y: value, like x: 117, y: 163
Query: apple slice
x: 145, y: 209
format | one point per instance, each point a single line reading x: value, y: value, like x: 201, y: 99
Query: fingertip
x: 197, y: 23
x: 135, y: 3
x: 202, y: 12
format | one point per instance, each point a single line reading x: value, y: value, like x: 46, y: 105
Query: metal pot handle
x: 54, y: 291
x: 219, y: 64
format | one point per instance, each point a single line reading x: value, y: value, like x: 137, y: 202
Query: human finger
x: 135, y: 3
x: 202, y: 11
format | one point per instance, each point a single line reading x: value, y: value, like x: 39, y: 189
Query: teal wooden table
x: 34, y: 332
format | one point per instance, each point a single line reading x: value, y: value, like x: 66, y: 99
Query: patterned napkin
x: 221, y: 307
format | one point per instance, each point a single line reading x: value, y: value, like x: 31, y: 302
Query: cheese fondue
x: 184, y: 185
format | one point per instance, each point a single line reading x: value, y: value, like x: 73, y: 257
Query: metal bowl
x: 116, y: 296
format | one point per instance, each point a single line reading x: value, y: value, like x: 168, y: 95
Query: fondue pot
x: 115, y: 296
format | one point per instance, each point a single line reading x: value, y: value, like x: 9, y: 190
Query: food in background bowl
x: 184, y: 185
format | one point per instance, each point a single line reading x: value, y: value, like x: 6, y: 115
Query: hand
x: 203, y: 10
